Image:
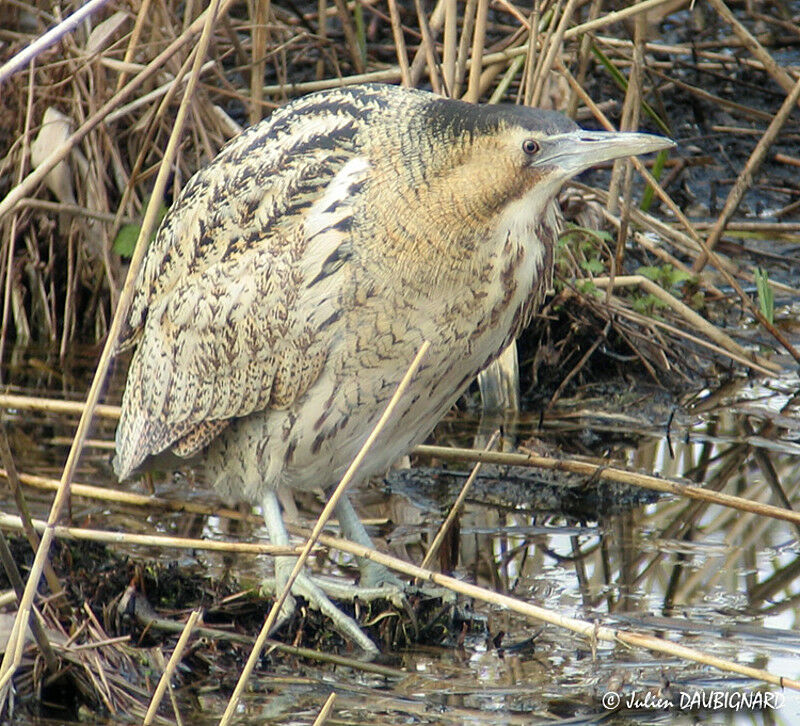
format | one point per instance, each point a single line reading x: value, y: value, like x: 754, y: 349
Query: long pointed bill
x: 578, y: 150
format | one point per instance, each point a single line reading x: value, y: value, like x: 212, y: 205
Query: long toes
x: 306, y: 588
x: 348, y: 627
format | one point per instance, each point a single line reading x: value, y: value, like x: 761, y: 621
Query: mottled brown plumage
x: 296, y: 276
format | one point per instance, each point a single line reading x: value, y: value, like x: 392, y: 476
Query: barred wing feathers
x: 221, y: 331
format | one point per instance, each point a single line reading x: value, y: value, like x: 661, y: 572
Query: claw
x: 304, y: 586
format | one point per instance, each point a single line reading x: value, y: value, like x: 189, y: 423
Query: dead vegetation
x: 691, y: 277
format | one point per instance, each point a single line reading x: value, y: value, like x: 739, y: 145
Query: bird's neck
x: 443, y: 232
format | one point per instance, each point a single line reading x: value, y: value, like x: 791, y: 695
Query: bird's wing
x: 220, y: 325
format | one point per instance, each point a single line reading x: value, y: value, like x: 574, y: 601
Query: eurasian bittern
x: 296, y: 276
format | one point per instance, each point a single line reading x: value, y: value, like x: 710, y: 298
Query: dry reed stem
x: 13, y: 654
x: 175, y: 658
x: 701, y: 93
x: 89, y: 491
x: 610, y: 473
x: 52, y: 36
x: 147, y: 99
x: 74, y: 210
x: 462, y: 58
x: 133, y: 42
x: 418, y: 64
x: 258, y: 52
x: 322, y: 717
x: 719, y: 61
x: 55, y: 405
x: 477, y: 58
x: 351, y: 40
x: 429, y: 46
x: 618, y: 306
x: 698, y: 321
x: 333, y: 500
x: 455, y: 509
x: 745, y: 178
x: 555, y: 40
x: 631, y: 108
x: 527, y: 82
x: 400, y: 44
x: 108, y: 537
x: 450, y: 46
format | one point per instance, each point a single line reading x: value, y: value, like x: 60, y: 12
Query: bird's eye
x: 530, y: 146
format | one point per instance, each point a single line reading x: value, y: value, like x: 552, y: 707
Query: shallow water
x: 723, y: 582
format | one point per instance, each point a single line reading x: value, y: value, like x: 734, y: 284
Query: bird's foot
x: 335, y: 589
x: 380, y: 579
x: 313, y: 591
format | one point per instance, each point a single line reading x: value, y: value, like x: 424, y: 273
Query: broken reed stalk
x: 609, y: 473
x: 52, y: 36
x: 175, y: 658
x: 698, y: 321
x: 322, y: 717
x: 324, y: 516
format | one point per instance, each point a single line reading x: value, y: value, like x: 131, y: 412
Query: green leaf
x: 657, y: 171
x: 125, y: 241
x: 677, y: 276
x: 766, y: 298
x: 593, y: 265
x: 697, y: 301
x: 651, y: 273
x: 646, y: 304
x: 665, y: 275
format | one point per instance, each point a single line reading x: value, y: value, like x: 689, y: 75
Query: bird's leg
x: 303, y: 585
x: 373, y: 575
x: 377, y: 581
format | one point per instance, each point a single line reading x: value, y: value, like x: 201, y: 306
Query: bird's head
x: 451, y: 172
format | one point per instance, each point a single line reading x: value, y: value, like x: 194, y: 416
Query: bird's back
x: 215, y: 315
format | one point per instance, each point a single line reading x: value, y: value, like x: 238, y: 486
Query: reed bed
x: 109, y: 107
